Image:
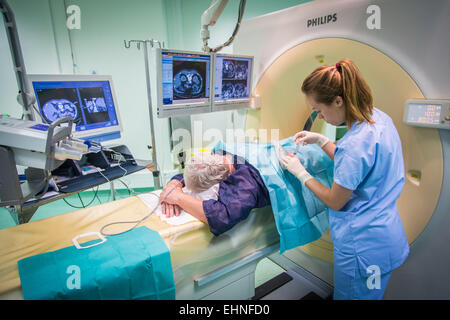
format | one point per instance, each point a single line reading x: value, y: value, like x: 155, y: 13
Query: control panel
x: 427, y: 113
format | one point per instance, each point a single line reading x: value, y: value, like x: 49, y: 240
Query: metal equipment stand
x: 151, y: 42
x: 16, y: 54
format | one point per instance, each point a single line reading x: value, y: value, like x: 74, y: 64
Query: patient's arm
x: 188, y: 203
x: 192, y: 206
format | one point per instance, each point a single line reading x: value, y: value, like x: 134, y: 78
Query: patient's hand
x: 172, y: 184
x: 172, y: 196
x: 170, y: 209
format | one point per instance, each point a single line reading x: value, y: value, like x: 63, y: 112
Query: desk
x: 24, y: 212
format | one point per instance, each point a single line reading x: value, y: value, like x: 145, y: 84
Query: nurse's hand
x: 294, y: 166
x: 308, y: 137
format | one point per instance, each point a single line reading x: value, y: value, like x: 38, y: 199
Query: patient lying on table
x: 219, y: 189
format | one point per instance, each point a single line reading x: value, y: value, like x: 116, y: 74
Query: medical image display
x: 58, y: 103
x: 94, y: 105
x: 90, y: 104
x: 232, y: 78
x: 184, y: 78
x: 234, y: 69
x: 189, y: 79
x: 234, y: 89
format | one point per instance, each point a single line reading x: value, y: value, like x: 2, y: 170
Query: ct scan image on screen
x: 94, y: 105
x: 58, y: 103
x: 185, y: 78
x: 189, y: 78
x: 232, y: 78
x: 89, y: 103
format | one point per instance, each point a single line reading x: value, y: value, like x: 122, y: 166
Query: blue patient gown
x: 368, y: 235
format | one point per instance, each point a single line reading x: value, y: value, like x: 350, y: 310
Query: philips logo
x: 321, y: 20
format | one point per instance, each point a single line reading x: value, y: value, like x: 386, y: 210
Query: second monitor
x: 232, y: 82
x: 197, y: 82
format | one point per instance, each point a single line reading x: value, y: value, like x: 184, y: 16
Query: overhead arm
x: 209, y: 18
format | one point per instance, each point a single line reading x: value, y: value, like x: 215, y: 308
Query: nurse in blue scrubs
x: 366, y: 229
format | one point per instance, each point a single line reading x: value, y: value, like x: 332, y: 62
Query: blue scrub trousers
x: 355, y: 287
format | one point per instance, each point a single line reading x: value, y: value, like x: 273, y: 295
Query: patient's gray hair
x: 202, y: 171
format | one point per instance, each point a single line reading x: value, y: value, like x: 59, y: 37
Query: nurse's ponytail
x: 342, y: 79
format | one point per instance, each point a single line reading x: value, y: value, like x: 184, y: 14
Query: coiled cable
x: 136, y: 222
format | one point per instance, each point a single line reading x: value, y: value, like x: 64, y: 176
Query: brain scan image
x: 58, y: 108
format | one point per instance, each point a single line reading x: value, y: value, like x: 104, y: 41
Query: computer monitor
x: 89, y: 99
x: 184, y: 82
x: 232, y: 82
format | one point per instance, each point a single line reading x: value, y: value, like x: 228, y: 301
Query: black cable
x: 39, y: 114
x: 126, y: 186
x: 236, y: 28
x: 136, y: 222
x: 83, y: 206
x: 81, y: 200
x: 96, y: 195
x: 39, y: 195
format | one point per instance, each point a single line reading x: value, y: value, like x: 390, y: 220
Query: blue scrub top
x: 369, y: 160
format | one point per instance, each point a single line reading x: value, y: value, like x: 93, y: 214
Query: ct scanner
x: 402, y: 48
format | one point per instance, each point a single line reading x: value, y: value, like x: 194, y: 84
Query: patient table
x: 204, y: 266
